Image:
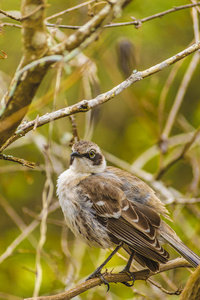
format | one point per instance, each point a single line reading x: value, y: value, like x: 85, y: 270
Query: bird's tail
x: 172, y: 238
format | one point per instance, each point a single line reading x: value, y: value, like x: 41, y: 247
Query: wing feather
x: 126, y: 220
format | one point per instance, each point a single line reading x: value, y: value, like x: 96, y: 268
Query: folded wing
x: 131, y: 222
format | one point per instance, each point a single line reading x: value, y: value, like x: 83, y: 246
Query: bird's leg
x: 127, y: 270
x: 97, y: 272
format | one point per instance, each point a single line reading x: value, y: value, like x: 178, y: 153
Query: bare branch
x: 109, y: 277
x: 20, y: 161
x: 10, y: 24
x: 135, y: 22
x: 192, y: 288
x: 94, y: 25
x: 179, y: 156
x: 5, y: 13
x: 70, y: 9
x: 26, y: 232
x: 86, y: 105
x: 16, y: 102
x: 46, y: 199
x: 179, y: 98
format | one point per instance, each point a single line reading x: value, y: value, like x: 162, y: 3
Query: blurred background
x: 129, y: 129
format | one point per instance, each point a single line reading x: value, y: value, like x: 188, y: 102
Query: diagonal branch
x: 86, y: 105
x: 179, y: 155
x: 20, y: 161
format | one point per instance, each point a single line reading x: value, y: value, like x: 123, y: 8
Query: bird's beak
x: 76, y: 154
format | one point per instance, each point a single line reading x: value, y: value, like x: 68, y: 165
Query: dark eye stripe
x: 97, y: 159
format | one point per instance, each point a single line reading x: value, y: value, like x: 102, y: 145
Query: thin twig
x: 24, y: 17
x: 5, y: 13
x: 195, y: 20
x: 159, y: 15
x: 26, y: 232
x: 180, y: 95
x: 197, y: 8
x: 135, y: 22
x: 10, y: 24
x: 70, y: 9
x: 46, y: 199
x: 159, y: 286
x: 91, y: 29
x: 15, y: 218
x: 179, y: 156
x: 18, y: 160
x: 39, y: 7
x: 74, y: 129
x: 164, y: 92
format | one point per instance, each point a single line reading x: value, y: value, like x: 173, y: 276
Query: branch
x: 10, y: 25
x: 25, y: 233
x: 20, y: 161
x: 16, y: 102
x: 46, y: 199
x: 135, y: 22
x: 179, y: 97
x: 86, y: 105
x: 61, y: 13
x: 192, y: 288
x: 94, y: 25
x: 5, y: 13
x: 109, y: 277
x: 179, y: 156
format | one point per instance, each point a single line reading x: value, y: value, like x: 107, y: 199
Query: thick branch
x: 192, y: 288
x: 109, y: 277
x: 16, y: 102
x: 86, y: 105
x: 98, y: 21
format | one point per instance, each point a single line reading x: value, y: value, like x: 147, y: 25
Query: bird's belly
x: 82, y: 221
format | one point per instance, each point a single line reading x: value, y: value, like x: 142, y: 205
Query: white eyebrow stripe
x: 100, y: 203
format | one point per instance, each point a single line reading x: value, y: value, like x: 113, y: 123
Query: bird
x: 106, y: 206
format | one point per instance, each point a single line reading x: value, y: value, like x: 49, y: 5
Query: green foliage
x: 126, y: 127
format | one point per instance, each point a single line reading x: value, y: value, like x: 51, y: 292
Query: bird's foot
x: 97, y: 273
x: 131, y: 275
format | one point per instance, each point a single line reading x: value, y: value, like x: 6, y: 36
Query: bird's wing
x: 130, y: 222
x: 137, y: 190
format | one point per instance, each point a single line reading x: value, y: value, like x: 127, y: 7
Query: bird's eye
x: 92, y: 154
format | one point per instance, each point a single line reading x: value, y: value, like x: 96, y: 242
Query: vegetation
x: 69, y: 70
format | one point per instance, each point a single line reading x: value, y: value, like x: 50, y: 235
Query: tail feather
x: 171, y: 237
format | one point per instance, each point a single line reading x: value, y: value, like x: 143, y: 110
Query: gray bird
x: 106, y: 206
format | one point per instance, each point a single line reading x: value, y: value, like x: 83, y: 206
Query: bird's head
x: 86, y: 157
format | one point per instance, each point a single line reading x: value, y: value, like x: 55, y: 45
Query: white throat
x: 84, y: 166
